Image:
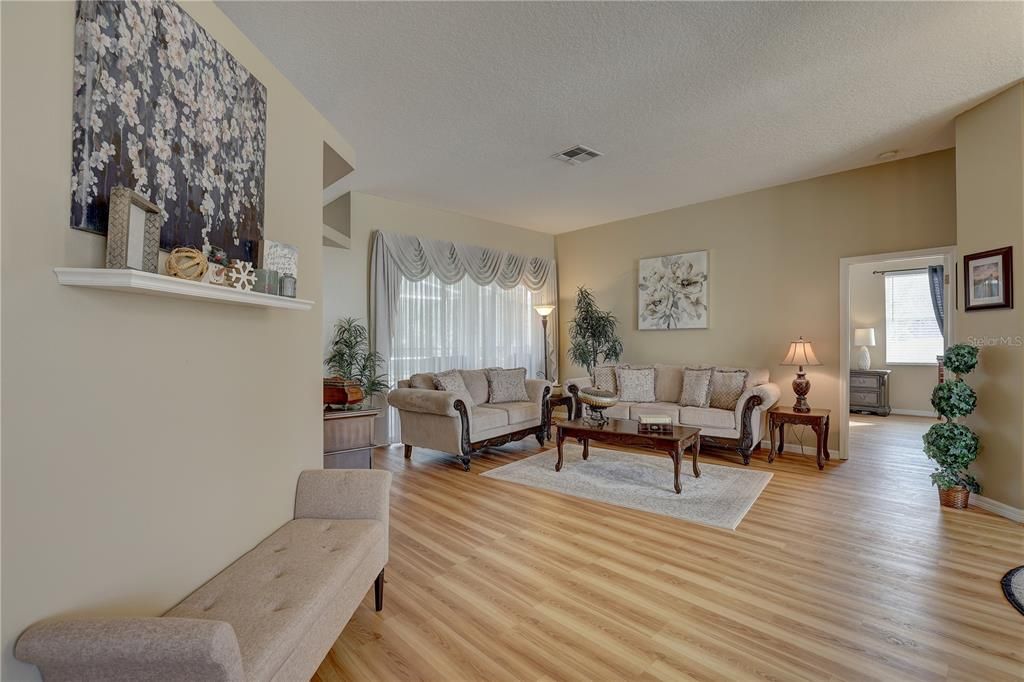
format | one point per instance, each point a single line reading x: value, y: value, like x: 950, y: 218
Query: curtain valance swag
x: 416, y: 258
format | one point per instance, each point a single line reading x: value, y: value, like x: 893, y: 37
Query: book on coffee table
x: 654, y: 422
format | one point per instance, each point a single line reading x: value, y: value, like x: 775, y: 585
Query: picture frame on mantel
x: 133, y: 231
x: 988, y: 279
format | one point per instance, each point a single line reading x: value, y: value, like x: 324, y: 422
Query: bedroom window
x: 912, y: 335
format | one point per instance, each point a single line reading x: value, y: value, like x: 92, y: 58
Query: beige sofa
x: 440, y: 420
x: 740, y: 428
x: 271, y: 615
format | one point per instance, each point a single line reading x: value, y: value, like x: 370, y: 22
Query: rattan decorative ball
x: 187, y: 263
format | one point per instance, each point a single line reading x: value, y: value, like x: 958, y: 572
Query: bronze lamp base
x: 801, y: 386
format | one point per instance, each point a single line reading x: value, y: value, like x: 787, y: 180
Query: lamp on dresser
x: 863, y: 338
x: 801, y: 354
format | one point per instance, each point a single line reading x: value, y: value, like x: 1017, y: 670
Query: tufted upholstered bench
x: 271, y: 615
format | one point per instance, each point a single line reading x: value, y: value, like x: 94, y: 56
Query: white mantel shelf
x: 138, y: 282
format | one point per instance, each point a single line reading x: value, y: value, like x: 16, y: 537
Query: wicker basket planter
x: 339, y: 391
x: 955, y: 498
x: 597, y: 401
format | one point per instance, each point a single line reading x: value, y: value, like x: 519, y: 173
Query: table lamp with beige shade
x: 801, y: 354
x: 863, y: 338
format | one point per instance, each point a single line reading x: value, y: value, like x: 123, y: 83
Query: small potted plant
x: 355, y: 367
x: 950, y: 445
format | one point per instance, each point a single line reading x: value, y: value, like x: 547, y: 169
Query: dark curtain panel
x: 937, y: 289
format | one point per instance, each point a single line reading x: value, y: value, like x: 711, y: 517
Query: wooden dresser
x: 348, y: 438
x: 869, y: 391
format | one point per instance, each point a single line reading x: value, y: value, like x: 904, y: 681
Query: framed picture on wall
x: 988, y: 279
x: 672, y: 291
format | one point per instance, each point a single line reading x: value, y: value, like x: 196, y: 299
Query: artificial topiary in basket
x: 953, y: 446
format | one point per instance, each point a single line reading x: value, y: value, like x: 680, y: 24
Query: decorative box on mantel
x: 348, y: 438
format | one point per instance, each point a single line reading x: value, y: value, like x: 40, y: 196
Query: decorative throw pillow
x: 727, y: 387
x: 696, y: 387
x: 451, y: 380
x: 422, y: 380
x: 604, y: 378
x: 636, y: 384
x: 507, y: 385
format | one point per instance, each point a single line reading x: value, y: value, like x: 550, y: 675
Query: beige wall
x: 910, y: 386
x: 990, y: 214
x: 346, y: 271
x: 774, y: 264
x: 147, y: 442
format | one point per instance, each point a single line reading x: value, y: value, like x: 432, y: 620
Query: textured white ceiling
x: 459, y: 105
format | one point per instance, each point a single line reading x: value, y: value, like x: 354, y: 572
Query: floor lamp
x: 544, y: 311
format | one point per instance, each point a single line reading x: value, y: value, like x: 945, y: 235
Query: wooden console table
x: 348, y: 438
x: 818, y: 420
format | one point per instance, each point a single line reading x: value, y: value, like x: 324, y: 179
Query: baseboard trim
x: 997, y: 508
x: 916, y: 413
x: 793, y: 449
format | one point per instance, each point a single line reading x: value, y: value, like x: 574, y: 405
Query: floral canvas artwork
x: 673, y: 291
x: 162, y: 108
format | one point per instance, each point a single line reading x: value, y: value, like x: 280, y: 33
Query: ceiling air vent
x: 574, y: 156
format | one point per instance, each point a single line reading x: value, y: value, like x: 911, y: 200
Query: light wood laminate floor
x: 851, y: 573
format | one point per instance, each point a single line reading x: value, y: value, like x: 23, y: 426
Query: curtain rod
x: 885, y: 272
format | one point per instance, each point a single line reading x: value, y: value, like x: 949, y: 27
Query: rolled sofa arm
x: 343, y: 494
x: 582, y: 382
x: 424, y: 400
x: 143, y: 649
x: 768, y: 394
x: 535, y: 389
x: 572, y: 387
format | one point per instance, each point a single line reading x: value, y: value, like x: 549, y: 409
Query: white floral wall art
x: 162, y: 108
x: 673, y: 291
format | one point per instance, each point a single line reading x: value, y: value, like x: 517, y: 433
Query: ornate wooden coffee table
x: 627, y: 432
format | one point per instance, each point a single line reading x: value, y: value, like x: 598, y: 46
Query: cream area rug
x: 721, y: 496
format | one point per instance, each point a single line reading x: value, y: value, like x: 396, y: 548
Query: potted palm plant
x: 592, y: 337
x: 950, y: 445
x: 355, y: 368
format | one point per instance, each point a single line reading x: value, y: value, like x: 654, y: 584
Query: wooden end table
x: 627, y: 432
x: 818, y: 420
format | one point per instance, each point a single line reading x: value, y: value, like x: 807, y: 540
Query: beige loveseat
x: 441, y: 420
x: 271, y: 615
x: 739, y: 428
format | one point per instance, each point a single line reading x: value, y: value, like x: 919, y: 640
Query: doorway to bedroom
x: 896, y: 317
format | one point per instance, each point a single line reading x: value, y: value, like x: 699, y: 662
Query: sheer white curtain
x: 464, y: 325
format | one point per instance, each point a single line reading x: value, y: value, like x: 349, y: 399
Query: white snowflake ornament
x: 241, y: 275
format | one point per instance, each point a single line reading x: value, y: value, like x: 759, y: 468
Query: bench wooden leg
x: 378, y: 592
x: 408, y: 451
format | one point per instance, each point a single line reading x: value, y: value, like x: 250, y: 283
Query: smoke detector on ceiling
x: 574, y: 156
